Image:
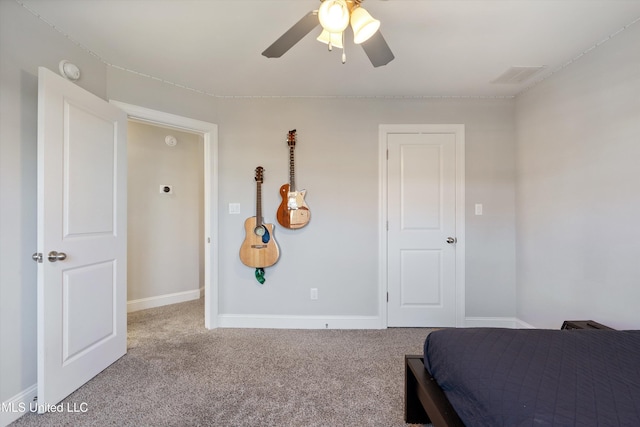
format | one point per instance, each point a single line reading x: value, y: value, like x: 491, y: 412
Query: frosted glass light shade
x: 334, y: 15
x: 334, y: 38
x: 363, y: 24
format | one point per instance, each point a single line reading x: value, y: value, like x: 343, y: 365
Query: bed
x: 525, y: 377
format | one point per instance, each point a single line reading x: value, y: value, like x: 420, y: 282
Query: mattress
x: 532, y: 377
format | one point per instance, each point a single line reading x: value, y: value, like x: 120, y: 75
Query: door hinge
x: 208, y: 239
x: 387, y: 154
x: 387, y: 296
x: 387, y: 225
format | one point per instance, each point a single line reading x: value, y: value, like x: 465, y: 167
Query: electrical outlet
x: 314, y: 293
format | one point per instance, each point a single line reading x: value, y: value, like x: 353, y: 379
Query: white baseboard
x: 159, y: 301
x: 496, y: 322
x: 17, y: 406
x: 524, y: 325
x: 346, y: 322
x: 298, y: 322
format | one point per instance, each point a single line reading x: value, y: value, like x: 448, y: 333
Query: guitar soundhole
x: 259, y: 230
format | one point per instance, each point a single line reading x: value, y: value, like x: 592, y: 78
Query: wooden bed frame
x: 425, y: 402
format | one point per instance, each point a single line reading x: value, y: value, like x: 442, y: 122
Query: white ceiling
x: 446, y: 48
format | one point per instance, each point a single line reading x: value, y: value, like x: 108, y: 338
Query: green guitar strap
x: 260, y: 275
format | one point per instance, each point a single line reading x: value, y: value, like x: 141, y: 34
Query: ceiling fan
x: 334, y: 16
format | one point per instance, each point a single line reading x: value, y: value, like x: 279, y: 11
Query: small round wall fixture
x: 171, y: 140
x: 68, y: 70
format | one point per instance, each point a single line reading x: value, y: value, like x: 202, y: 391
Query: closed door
x: 421, y: 231
x: 82, y: 240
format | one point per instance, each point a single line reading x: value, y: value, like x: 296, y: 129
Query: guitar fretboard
x: 292, y: 174
x: 258, y: 204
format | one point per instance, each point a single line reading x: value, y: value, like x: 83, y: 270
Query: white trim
x: 298, y: 322
x: 18, y: 405
x: 491, y: 322
x: 496, y: 322
x: 460, y: 223
x: 160, y: 300
x: 209, y: 133
x: 459, y: 131
x: 383, y: 218
x: 521, y: 324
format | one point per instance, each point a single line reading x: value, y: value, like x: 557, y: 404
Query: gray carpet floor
x: 177, y: 373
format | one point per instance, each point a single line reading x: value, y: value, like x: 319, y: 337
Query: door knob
x: 54, y: 256
x: 451, y: 240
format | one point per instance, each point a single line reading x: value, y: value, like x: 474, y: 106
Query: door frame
x: 209, y: 132
x: 383, y: 285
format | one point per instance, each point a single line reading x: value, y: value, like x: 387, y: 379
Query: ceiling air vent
x: 515, y: 75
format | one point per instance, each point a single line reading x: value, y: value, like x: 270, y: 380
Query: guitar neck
x: 292, y: 175
x: 258, y: 204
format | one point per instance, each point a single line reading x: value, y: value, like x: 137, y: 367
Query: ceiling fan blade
x: 378, y: 50
x: 293, y: 35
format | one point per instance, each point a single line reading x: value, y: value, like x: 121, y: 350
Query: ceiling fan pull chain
x: 344, y: 47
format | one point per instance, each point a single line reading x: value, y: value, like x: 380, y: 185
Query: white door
x: 82, y: 320
x: 421, y: 236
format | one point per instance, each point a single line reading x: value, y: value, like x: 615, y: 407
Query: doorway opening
x: 165, y: 216
x: 207, y: 135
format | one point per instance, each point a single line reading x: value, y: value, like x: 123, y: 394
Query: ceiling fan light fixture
x: 334, y: 15
x: 363, y: 24
x: 367, y: 32
x: 333, y: 39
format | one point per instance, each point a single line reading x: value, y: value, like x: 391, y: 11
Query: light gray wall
x: 577, y: 186
x: 337, y: 162
x: 25, y: 43
x: 578, y: 190
x: 165, y: 231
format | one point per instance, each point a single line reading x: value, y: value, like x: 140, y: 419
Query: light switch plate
x: 234, y: 208
x: 478, y: 208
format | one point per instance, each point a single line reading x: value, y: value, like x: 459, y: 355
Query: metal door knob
x: 54, y: 256
x: 451, y: 240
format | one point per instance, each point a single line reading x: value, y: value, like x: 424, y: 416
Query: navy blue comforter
x: 532, y: 377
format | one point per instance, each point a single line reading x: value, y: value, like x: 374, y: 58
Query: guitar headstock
x: 291, y: 138
x: 259, y: 171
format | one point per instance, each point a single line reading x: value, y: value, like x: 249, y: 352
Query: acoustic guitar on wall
x: 293, y: 211
x: 259, y: 248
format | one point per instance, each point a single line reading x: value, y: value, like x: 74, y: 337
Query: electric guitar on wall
x: 293, y: 212
x: 259, y: 248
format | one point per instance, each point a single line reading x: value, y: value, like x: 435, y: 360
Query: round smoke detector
x: 171, y: 140
x: 69, y: 70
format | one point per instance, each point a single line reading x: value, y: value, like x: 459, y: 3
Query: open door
x: 82, y: 241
